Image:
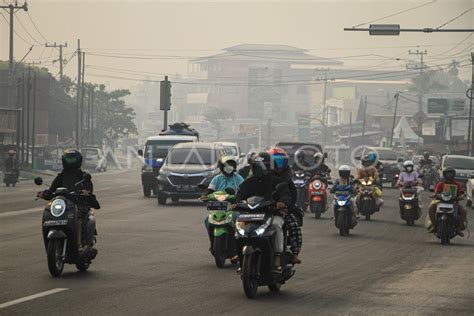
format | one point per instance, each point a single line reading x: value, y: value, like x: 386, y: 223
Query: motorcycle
x: 66, y: 238
x: 365, y: 199
x: 11, y: 177
x: 409, y: 204
x: 447, y: 217
x: 343, y: 209
x: 318, y: 192
x: 300, y: 180
x: 428, y: 173
x: 221, y: 225
x: 255, y: 239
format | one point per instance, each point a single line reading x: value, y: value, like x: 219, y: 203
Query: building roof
x: 264, y: 47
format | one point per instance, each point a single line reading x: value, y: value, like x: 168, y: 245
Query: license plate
x: 300, y: 182
x: 218, y: 205
x: 186, y: 188
x: 445, y: 205
x: 251, y: 217
x: 55, y: 222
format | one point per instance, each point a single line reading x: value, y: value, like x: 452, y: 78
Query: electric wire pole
x: 78, y: 92
x: 12, y: 8
x: 61, y: 60
x: 422, y: 66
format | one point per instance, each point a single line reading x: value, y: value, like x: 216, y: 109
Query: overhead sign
x: 445, y: 105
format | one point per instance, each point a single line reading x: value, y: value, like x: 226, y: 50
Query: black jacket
x: 11, y: 164
x: 287, y: 177
x: 264, y: 187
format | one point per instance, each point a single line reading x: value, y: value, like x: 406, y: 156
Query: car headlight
x: 58, y: 207
x: 317, y: 185
x: 259, y: 231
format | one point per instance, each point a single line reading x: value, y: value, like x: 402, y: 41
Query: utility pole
x: 350, y: 136
x: 33, y: 129
x: 61, y: 60
x: 92, y: 116
x: 28, y: 88
x: 325, y: 119
x: 11, y: 10
x: 82, y: 99
x: 78, y: 91
x: 470, y: 95
x: 422, y: 66
x: 89, y: 90
x: 165, y: 100
x: 365, y: 115
x: 394, y: 118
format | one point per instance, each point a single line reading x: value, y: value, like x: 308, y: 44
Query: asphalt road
x: 154, y: 260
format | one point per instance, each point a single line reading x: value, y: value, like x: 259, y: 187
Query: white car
x: 94, y: 158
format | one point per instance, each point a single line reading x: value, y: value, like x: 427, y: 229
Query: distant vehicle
x: 292, y: 147
x: 94, y: 158
x: 156, y: 150
x: 464, y: 166
x: 389, y: 159
x: 233, y: 149
x: 187, y: 166
x: 416, y: 160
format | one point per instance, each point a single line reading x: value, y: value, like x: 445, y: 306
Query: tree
x: 214, y: 116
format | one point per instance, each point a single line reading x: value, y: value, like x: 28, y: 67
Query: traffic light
x: 165, y: 94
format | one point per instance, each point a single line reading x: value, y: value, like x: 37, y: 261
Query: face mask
x: 409, y: 169
x: 228, y: 169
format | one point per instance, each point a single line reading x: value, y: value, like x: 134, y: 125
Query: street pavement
x: 154, y: 260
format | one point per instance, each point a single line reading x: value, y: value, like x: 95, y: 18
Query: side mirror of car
x: 357, y: 157
x: 230, y: 191
x: 242, y: 155
x: 38, y: 181
x: 140, y: 152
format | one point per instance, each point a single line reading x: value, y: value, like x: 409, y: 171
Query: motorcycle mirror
x: 230, y: 191
x: 38, y: 181
x: 140, y: 152
x: 400, y: 159
x: 202, y: 186
x: 87, y: 176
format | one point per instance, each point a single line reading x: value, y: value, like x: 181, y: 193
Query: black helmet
x: 344, y: 171
x: 261, y: 164
x: 72, y: 159
x: 366, y: 161
x: 300, y: 155
x: 426, y: 155
x: 449, y: 174
x: 227, y: 161
x: 250, y: 157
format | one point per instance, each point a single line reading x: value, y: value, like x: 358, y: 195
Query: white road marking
x: 27, y: 211
x: 31, y: 297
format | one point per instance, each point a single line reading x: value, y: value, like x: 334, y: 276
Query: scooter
x: 447, y: 217
x: 318, y: 195
x: 222, y: 225
x: 343, y: 209
x: 365, y: 199
x: 409, y: 204
x: 300, y: 180
x: 66, y: 238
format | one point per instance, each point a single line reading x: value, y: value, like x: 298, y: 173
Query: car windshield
x: 160, y: 148
x: 192, y: 156
x: 231, y: 150
x: 90, y: 152
x: 459, y: 163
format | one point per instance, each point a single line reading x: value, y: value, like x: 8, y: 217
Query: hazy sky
x: 165, y: 33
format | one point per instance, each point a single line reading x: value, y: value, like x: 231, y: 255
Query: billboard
x: 446, y: 105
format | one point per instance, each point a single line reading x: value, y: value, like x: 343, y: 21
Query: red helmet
x: 279, y: 158
x: 11, y: 153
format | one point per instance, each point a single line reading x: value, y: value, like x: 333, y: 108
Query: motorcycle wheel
x: 317, y: 210
x: 248, y: 276
x: 367, y: 217
x: 219, y: 253
x: 341, y: 220
x: 410, y: 219
x: 274, y: 287
x: 146, y: 191
x: 162, y: 199
x: 443, y: 232
x: 54, y: 253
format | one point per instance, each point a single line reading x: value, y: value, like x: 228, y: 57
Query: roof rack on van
x: 180, y: 129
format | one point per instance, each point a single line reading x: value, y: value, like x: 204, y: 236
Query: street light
x: 394, y: 30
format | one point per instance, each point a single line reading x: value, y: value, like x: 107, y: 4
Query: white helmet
x: 344, y: 171
x: 408, y: 166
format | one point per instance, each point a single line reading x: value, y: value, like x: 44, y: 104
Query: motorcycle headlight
x: 239, y: 226
x: 58, y: 207
x: 341, y: 203
x: 259, y: 231
x: 445, y: 198
x: 317, y: 185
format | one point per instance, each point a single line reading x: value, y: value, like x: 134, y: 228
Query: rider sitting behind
x: 320, y: 168
x: 263, y: 183
x: 448, y: 183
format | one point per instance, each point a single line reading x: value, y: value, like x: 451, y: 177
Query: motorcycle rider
x: 283, y: 171
x: 409, y: 177
x: 228, y: 178
x: 68, y: 178
x: 246, y: 171
x: 11, y: 163
x: 346, y: 179
x: 320, y: 168
x: 368, y: 170
x: 263, y: 183
x: 448, y: 183
x: 426, y: 161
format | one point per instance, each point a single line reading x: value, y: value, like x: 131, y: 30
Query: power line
x: 37, y: 29
x: 18, y: 35
x: 395, y: 14
x: 26, y: 30
x: 455, y: 18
